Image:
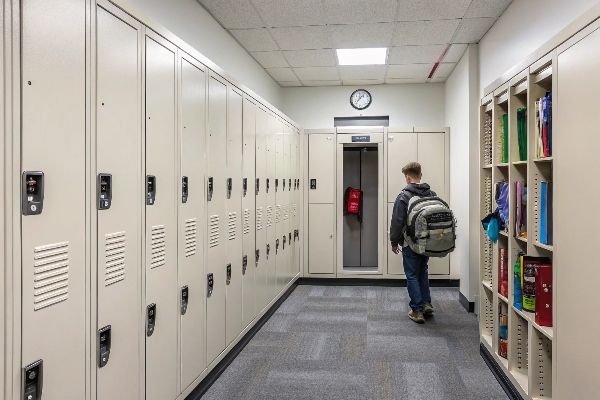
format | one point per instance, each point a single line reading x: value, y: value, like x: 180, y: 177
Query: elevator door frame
x: 344, y: 139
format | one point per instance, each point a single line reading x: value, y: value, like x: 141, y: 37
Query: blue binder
x: 543, y: 213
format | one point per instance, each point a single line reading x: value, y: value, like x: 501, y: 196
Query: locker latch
x: 313, y: 184
x: 229, y: 187
x: 296, y: 234
x: 290, y: 185
x: 32, y: 198
x: 184, y: 299
x: 104, y: 345
x: 228, y: 274
x: 245, y: 185
x: 284, y: 239
x: 257, y: 256
x: 33, y: 380
x: 210, y: 282
x: 151, y: 318
x: 150, y: 189
x: 276, y: 246
x: 244, y: 264
x: 268, y: 250
x: 104, y: 191
x: 276, y: 185
x: 283, y: 184
x: 290, y: 237
x: 210, y: 188
x: 184, y: 189
x: 257, y: 185
x: 268, y: 185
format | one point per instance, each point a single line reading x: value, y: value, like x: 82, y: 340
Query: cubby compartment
x: 500, y: 131
x: 541, y: 200
x: 541, y: 366
x: 503, y: 330
x: 487, y: 317
x: 519, y: 350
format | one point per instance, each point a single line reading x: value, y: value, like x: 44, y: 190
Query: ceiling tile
x: 353, y: 72
x: 415, y: 10
x: 282, y: 74
x: 233, y: 13
x: 300, y: 38
x: 416, y: 54
x: 425, y: 32
x: 362, y: 82
x: 472, y: 30
x: 270, y: 59
x: 444, y: 70
x: 321, y: 83
x: 291, y: 12
x: 361, y: 35
x: 255, y: 39
x: 438, y: 80
x: 289, y: 84
x: 317, y: 73
x: 420, y: 71
x: 455, y: 53
x: 487, y: 8
x: 311, y: 58
x: 394, y: 81
x: 359, y: 11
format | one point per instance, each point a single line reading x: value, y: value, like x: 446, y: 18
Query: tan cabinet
x: 401, y: 149
x: 321, y: 242
x: 321, y: 168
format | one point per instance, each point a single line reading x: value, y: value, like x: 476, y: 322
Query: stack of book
x: 537, y: 288
x: 521, y: 209
x: 503, y: 330
x: 546, y: 220
x: 522, y: 133
x: 504, y: 138
x: 543, y: 126
x: 487, y: 140
x: 503, y: 268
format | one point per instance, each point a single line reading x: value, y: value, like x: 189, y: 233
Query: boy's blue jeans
x: 417, y: 278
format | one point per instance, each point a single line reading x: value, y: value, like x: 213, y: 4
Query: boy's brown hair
x: 412, y: 169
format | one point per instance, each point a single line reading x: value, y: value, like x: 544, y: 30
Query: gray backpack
x: 430, y: 226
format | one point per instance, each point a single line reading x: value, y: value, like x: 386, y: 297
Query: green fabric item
x: 522, y: 133
x: 505, y: 138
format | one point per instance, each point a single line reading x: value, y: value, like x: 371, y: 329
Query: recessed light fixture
x: 370, y: 56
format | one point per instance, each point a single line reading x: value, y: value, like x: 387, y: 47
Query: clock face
x: 360, y: 99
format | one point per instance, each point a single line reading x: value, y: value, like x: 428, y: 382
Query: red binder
x: 543, y: 291
x: 503, y: 266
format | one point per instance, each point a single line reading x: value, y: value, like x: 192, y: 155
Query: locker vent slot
x: 214, y: 231
x: 114, y: 253
x: 158, y: 246
x: 50, y: 275
x: 246, y: 221
x: 269, y: 216
x: 232, y: 225
x: 259, y: 220
x: 286, y: 212
x: 190, y: 237
x: 278, y: 214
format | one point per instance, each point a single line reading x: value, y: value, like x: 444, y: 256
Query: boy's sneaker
x: 416, y: 316
x: 428, y: 309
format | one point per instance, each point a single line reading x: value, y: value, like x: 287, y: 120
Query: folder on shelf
x: 518, y: 216
x: 549, y: 218
x: 522, y: 133
x: 543, y: 212
x: 549, y: 132
x: 505, y: 138
x: 543, y: 290
x: 503, y: 269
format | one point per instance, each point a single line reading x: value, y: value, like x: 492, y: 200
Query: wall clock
x: 360, y: 99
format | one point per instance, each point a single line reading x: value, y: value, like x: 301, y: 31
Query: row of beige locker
x: 160, y: 209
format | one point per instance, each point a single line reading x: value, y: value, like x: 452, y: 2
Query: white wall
x: 524, y: 26
x: 407, y: 105
x: 188, y: 20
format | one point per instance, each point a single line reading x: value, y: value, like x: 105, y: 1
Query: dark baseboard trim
x: 502, y: 379
x: 213, y: 375
x: 468, y: 305
x: 373, y: 282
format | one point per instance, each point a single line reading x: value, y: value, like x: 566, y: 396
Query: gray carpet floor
x: 342, y: 342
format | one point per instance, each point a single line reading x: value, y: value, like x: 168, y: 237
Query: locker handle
x: 210, y: 188
x: 104, y: 191
x: 276, y: 184
x: 210, y: 281
x: 257, y: 185
x: 268, y: 185
x: 184, y: 189
x: 283, y: 184
x: 228, y: 274
x: 284, y: 239
x: 257, y: 256
x: 245, y: 185
x: 32, y: 196
x: 268, y: 250
x: 244, y: 264
x: 276, y: 246
x: 184, y: 299
x: 229, y: 187
x: 289, y: 237
x: 151, y: 319
x: 104, y: 341
x: 150, y: 189
x: 33, y: 381
x: 289, y: 184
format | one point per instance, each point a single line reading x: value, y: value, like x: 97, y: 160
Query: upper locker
x: 162, y: 196
x: 53, y: 158
x: 249, y: 197
x: 233, y: 260
x: 261, y: 211
x: 192, y: 287
x: 119, y: 203
x: 280, y: 194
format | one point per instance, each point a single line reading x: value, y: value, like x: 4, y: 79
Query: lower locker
x: 321, y: 243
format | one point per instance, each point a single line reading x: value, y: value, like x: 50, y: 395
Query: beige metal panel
x: 249, y: 214
x: 262, y: 295
x: 271, y: 205
x: 119, y: 244
x: 280, y: 192
x: 575, y: 147
x: 401, y: 149
x: 286, y: 206
x: 321, y: 166
x: 358, y: 130
x: 321, y: 240
x: 394, y: 261
x: 161, y: 219
x: 192, y: 218
x: 53, y: 140
x: 233, y: 300
x: 216, y: 217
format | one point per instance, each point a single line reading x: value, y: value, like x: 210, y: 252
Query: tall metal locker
x: 118, y: 191
x: 162, y: 194
x: 262, y: 294
x: 248, y: 208
x: 192, y: 195
x: 233, y: 302
x: 272, y: 237
x: 287, y: 233
x: 53, y: 140
x: 280, y: 192
x: 217, y: 220
x: 295, y: 203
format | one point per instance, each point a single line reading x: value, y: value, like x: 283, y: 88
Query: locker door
x: 272, y: 237
x: 402, y: 149
x: 297, y: 201
x: 192, y: 287
x: 321, y: 240
x: 248, y: 207
x: 395, y: 264
x: 234, y: 209
x: 321, y: 167
x: 53, y: 141
x: 280, y: 191
x: 287, y: 194
x: 161, y: 221
x: 432, y: 157
x: 262, y: 292
x: 217, y: 221
x: 118, y: 153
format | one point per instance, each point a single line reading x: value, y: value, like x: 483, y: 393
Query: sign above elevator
x: 361, y: 139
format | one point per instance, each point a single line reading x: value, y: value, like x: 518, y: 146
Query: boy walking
x: 415, y: 265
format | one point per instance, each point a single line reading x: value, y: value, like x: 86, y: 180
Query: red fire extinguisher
x: 353, y: 202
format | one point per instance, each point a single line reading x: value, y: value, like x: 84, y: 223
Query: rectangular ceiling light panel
x: 372, y: 56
